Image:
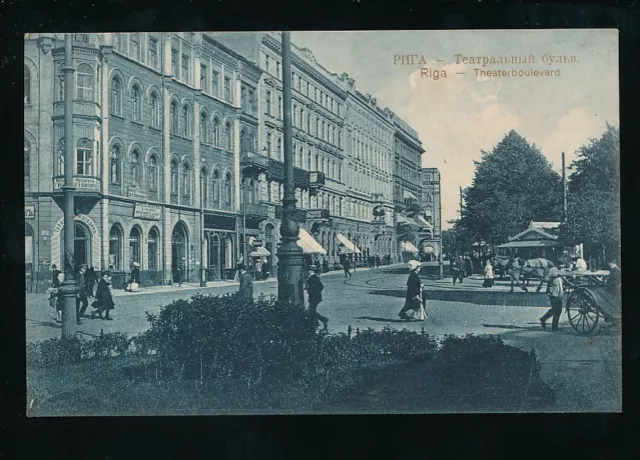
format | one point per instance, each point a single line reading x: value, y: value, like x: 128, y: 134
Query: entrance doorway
x: 179, y: 245
x: 215, y: 269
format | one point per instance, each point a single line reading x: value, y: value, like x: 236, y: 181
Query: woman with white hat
x: 413, y: 300
x: 134, y: 278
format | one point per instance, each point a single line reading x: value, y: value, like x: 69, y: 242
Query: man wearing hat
x: 414, y: 290
x: 555, y: 291
x: 314, y: 289
x: 245, y: 291
x: 81, y: 297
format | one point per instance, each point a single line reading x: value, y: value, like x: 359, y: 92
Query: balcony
x: 254, y: 210
x: 80, y: 108
x: 316, y: 179
x: 86, y: 194
x: 318, y: 214
x: 254, y: 160
x: 81, y: 183
x: 300, y: 215
x: 276, y: 173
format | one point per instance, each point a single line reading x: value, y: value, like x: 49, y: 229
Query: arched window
x: 279, y: 152
x: 114, y: 164
x: 251, y: 143
x: 84, y: 157
x: 216, y: 188
x: 60, y: 158
x: 204, y: 188
x: 204, y: 135
x: 186, y: 180
x: 227, y: 189
x: 153, y: 249
x: 136, y: 103
x: 134, y: 246
x: 115, y: 248
x: 153, y: 173
x: 155, y: 110
x: 115, y: 99
x: 228, y: 136
x: 136, y: 169
x: 27, y: 85
x: 216, y: 132
x: 60, y: 83
x: 174, y: 177
x: 243, y: 142
x: 27, y: 165
x: 174, y: 117
x: 84, y: 91
x: 185, y: 128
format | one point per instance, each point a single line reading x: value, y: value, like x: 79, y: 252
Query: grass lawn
x: 117, y: 386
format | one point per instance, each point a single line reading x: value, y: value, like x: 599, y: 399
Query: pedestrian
x: 460, y: 268
x: 555, y: 291
x: 377, y: 261
x: 245, y: 291
x: 413, y: 300
x: 55, y: 285
x: 613, y: 280
x: 325, y: 265
x: 59, y: 299
x: 346, y: 265
x: 488, y: 275
x: 104, y: 300
x: 134, y: 279
x: 257, y: 270
x: 178, y: 276
x: 81, y: 297
x: 314, y: 290
x: 89, y: 280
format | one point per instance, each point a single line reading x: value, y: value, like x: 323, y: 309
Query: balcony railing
x: 316, y: 179
x: 299, y: 216
x: 254, y: 210
x: 313, y: 214
x: 254, y: 159
x: 276, y: 172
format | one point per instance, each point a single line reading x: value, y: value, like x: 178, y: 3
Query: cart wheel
x: 583, y: 311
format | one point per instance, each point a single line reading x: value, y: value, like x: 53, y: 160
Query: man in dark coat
x: 346, y: 264
x: 314, y: 289
x: 377, y: 261
x: 82, y: 294
x: 89, y: 281
x: 245, y: 291
x: 104, y: 300
x: 413, y: 300
x: 54, y: 276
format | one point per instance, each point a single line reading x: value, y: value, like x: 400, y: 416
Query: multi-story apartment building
x: 429, y: 243
x: 407, y: 185
x: 157, y: 123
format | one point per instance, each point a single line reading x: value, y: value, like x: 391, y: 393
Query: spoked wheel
x: 583, y: 311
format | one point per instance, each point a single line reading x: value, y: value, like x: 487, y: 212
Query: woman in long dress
x: 488, y: 275
x: 104, y: 300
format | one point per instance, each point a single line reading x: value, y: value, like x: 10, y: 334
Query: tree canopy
x: 593, y: 203
x: 513, y: 185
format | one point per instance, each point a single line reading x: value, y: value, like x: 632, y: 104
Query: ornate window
x: 153, y: 173
x: 186, y: 180
x: 152, y: 249
x: 153, y: 53
x: 134, y: 245
x: 115, y: 102
x: 227, y: 89
x: 185, y: 127
x: 27, y: 165
x: 115, y: 248
x: 60, y: 82
x: 243, y: 142
x: 84, y: 157
x: 216, y: 188
x: 216, y: 132
x: 134, y: 46
x: 203, y: 78
x: 228, y: 136
x: 174, y: 62
x: 227, y: 189
x: 114, y: 164
x: 60, y: 158
x: 136, y: 103
x: 204, y: 188
x: 27, y: 85
x: 215, y: 78
x: 185, y: 77
x: 204, y: 135
x: 174, y: 177
x: 174, y: 117
x: 155, y: 110
x: 136, y: 169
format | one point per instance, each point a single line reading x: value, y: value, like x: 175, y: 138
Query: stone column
x: 236, y: 139
x: 166, y: 155
x: 47, y: 83
x: 106, y: 50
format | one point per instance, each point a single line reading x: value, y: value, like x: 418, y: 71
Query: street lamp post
x: 68, y: 287
x: 203, y: 271
x: 440, y: 262
x: 290, y: 255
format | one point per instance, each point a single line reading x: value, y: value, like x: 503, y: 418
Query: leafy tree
x: 593, y: 198
x: 513, y: 185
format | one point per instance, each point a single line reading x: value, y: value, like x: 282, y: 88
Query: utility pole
x: 203, y: 271
x: 289, y: 253
x: 564, y: 190
x: 68, y: 287
x: 440, y: 262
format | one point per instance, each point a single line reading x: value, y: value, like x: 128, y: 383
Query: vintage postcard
x: 322, y: 222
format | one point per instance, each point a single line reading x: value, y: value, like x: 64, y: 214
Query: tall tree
x: 513, y: 185
x: 593, y: 202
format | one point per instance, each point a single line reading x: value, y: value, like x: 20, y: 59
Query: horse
x: 537, y: 268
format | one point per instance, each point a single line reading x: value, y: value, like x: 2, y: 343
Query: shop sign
x: 78, y: 182
x: 137, y: 194
x: 29, y: 212
x: 147, y: 211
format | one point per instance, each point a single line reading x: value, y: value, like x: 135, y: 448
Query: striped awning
x: 423, y: 222
x: 407, y: 246
x: 260, y: 252
x: 348, y: 247
x: 407, y: 195
x: 308, y: 244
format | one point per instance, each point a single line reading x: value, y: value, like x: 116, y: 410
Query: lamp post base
x: 290, y: 283
x: 69, y: 318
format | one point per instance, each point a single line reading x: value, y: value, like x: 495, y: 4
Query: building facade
x: 179, y: 149
x: 429, y: 237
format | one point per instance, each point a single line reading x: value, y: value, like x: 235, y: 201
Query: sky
x: 459, y: 116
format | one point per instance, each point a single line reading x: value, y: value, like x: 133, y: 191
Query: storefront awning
x: 348, y: 246
x: 423, y: 222
x: 407, y: 246
x: 406, y: 220
x: 530, y: 244
x: 407, y: 195
x: 308, y: 244
x: 260, y: 252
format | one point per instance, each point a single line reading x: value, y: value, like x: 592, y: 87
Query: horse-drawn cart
x: 589, y: 297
